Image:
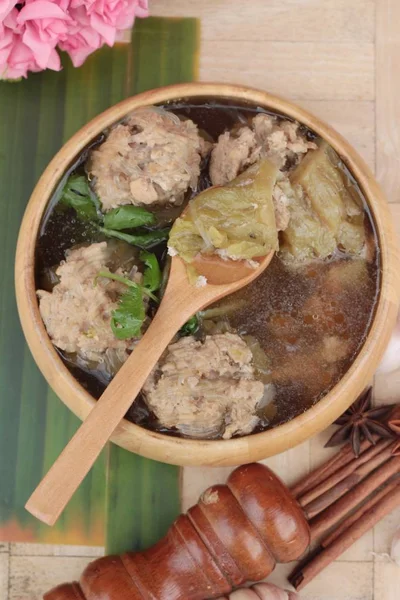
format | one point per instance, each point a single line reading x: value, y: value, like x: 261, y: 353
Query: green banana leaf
x: 125, y: 501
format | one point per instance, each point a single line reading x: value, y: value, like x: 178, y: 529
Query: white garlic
x: 261, y: 591
x: 243, y: 594
x: 391, y: 359
x: 268, y: 591
x: 395, y: 548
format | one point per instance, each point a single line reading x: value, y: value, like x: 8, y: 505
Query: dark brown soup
x: 305, y: 323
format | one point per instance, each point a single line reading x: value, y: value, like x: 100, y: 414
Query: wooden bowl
x: 214, y: 452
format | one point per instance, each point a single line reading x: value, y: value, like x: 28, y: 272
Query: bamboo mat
x: 341, y: 60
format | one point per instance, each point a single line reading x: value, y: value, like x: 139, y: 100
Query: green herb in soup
x: 128, y: 318
x: 141, y: 240
x: 152, y: 272
x: 248, y: 181
x: 128, y: 217
x: 114, y: 224
x: 77, y: 195
x: 191, y: 327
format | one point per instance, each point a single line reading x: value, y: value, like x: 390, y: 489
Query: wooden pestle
x: 236, y: 533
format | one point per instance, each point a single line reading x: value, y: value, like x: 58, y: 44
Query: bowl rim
x: 253, y: 447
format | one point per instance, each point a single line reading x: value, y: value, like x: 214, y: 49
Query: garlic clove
x: 391, y: 359
x: 243, y: 594
x: 269, y: 591
x: 261, y: 591
x: 395, y: 548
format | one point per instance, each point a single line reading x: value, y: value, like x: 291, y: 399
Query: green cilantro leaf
x: 152, y: 273
x: 77, y: 195
x: 127, y: 319
x: 191, y: 326
x: 128, y: 217
x: 142, y: 240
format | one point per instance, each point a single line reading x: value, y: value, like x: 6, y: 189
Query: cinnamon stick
x: 301, y: 577
x: 343, y: 472
x: 349, y: 482
x: 396, y: 449
x: 358, y: 514
x: 394, y: 425
x: 394, y: 420
x: 334, y: 513
x: 343, y: 457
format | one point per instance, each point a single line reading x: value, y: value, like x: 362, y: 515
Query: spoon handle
x: 64, y: 477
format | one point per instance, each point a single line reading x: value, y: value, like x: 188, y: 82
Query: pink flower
x: 6, y: 43
x: 31, y: 31
x: 20, y: 60
x: 82, y: 39
x: 44, y: 24
x: 16, y: 59
x: 6, y: 7
x: 98, y: 22
x: 108, y: 16
x: 18, y: 55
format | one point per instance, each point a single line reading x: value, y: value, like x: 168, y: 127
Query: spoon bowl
x: 181, y: 300
x: 221, y: 272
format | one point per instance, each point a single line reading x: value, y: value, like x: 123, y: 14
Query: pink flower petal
x: 80, y: 16
x: 79, y: 55
x: 40, y: 49
x: 6, y: 39
x: 13, y: 73
x: 92, y: 38
x: 20, y: 53
x: 6, y: 7
x: 20, y: 61
x: 142, y: 9
x: 64, y: 5
x: 125, y: 21
x: 4, y: 54
x: 10, y: 20
x: 106, y: 31
x: 41, y: 9
x: 54, y: 62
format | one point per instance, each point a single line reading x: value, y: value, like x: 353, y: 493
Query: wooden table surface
x: 341, y: 60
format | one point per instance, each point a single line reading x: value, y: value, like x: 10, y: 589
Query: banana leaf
x: 125, y: 501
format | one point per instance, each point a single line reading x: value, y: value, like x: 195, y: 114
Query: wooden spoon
x: 181, y: 300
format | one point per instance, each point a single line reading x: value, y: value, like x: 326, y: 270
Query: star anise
x: 360, y: 422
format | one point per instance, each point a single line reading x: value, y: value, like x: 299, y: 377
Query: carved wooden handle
x: 236, y: 533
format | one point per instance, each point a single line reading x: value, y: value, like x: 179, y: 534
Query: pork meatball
x: 282, y: 142
x: 206, y: 389
x: 77, y: 312
x: 151, y: 158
